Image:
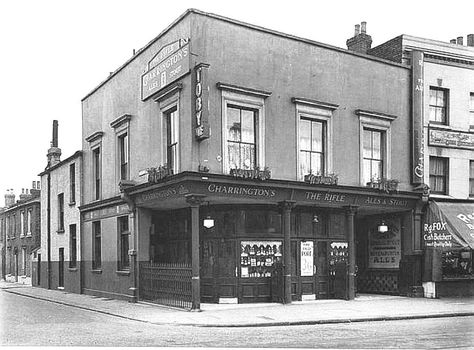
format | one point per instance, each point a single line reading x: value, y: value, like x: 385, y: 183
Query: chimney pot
x: 470, y: 40
x: 363, y: 27
x: 38, y: 187
x: 22, y: 191
x: 459, y: 40
x: 33, y: 185
x: 452, y: 41
x: 357, y: 29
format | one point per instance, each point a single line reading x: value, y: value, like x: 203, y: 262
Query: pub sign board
x: 170, y: 69
x: 385, y: 247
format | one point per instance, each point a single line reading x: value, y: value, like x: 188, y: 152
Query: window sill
x: 439, y: 126
x: 71, y: 204
x: 60, y: 231
x: 61, y: 288
x: 72, y: 269
x: 458, y: 278
x: 123, y: 272
x: 28, y: 234
x: 98, y: 271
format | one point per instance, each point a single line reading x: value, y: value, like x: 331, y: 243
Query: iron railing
x: 166, y: 284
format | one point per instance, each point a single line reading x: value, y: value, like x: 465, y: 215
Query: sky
x: 54, y: 52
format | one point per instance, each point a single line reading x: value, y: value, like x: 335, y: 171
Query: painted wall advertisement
x: 175, y: 62
x: 417, y: 176
x: 307, y: 258
x: 385, y: 247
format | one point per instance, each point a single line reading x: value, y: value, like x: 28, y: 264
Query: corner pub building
x: 229, y: 163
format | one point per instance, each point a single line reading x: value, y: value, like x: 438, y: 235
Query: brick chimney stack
x: 361, y: 42
x: 54, y: 153
x: 9, y: 198
x: 470, y: 40
x: 459, y: 40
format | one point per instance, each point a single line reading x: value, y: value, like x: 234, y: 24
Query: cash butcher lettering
x: 241, y: 191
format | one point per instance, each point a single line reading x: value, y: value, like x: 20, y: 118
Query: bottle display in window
x: 258, y: 258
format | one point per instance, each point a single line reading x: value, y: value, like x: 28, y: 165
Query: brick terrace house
x: 443, y: 154
x: 20, y: 222
x: 248, y: 165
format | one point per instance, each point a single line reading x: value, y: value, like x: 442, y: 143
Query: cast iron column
x: 133, y: 253
x: 286, y: 207
x: 195, y: 201
x: 350, y: 213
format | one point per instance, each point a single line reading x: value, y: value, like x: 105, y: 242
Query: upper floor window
x: 172, y: 139
x: 438, y: 105
x: 471, y: 178
x: 373, y: 155
x: 22, y: 224
x: 241, y: 137
x: 72, y: 183
x: 243, y: 127
x: 96, y: 158
x: 14, y: 226
x: 29, y: 223
x: 312, y: 134
x: 439, y: 170
x: 471, y: 110
x: 123, y: 156
x: 61, y: 212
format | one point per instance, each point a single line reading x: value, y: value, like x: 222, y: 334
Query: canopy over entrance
x: 449, y: 225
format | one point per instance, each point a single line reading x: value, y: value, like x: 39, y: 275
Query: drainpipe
x: 49, y: 230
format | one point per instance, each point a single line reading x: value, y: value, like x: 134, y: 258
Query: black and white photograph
x: 237, y: 174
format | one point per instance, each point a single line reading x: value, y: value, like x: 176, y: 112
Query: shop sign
x: 163, y: 194
x: 436, y: 235
x: 157, y: 174
x: 106, y: 212
x: 241, y: 191
x: 328, y: 197
x: 389, y: 202
x: 165, y: 51
x: 386, y: 185
x: 417, y: 120
x: 255, y: 174
x: 307, y: 258
x: 330, y: 179
x: 166, y: 72
x: 385, y: 247
x: 201, y: 102
x: 453, y: 139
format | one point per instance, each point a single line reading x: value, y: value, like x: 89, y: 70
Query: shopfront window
x: 123, y: 243
x: 262, y: 221
x: 259, y: 258
x: 457, y: 263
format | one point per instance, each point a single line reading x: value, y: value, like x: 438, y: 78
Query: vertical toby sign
x: 417, y: 118
x: 201, y: 102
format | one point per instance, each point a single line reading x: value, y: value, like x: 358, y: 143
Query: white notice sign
x: 307, y: 258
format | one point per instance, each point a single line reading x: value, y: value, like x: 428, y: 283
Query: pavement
x: 363, y: 308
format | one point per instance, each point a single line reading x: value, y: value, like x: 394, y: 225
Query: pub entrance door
x: 219, y: 275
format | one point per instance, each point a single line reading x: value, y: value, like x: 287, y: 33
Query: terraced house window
x: 22, y: 224
x: 373, y: 155
x: 72, y: 246
x: 96, y: 245
x: 28, y: 222
x: 97, y: 172
x: 438, y: 105
x: 471, y: 178
x: 61, y: 212
x: 72, y: 183
x: 241, y: 137
x: 123, y: 156
x: 312, y: 147
x: 471, y: 110
x: 439, y: 168
x: 123, y: 243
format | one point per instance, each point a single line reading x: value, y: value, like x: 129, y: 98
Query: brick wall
x: 390, y: 50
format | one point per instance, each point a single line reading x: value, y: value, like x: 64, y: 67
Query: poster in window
x: 307, y: 258
x: 385, y: 247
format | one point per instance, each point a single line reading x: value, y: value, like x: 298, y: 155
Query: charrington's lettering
x: 256, y: 174
x: 241, y: 191
x: 330, y: 179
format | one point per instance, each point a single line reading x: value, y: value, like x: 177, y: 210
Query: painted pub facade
x: 250, y: 165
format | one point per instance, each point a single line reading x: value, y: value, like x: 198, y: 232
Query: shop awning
x: 449, y: 225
